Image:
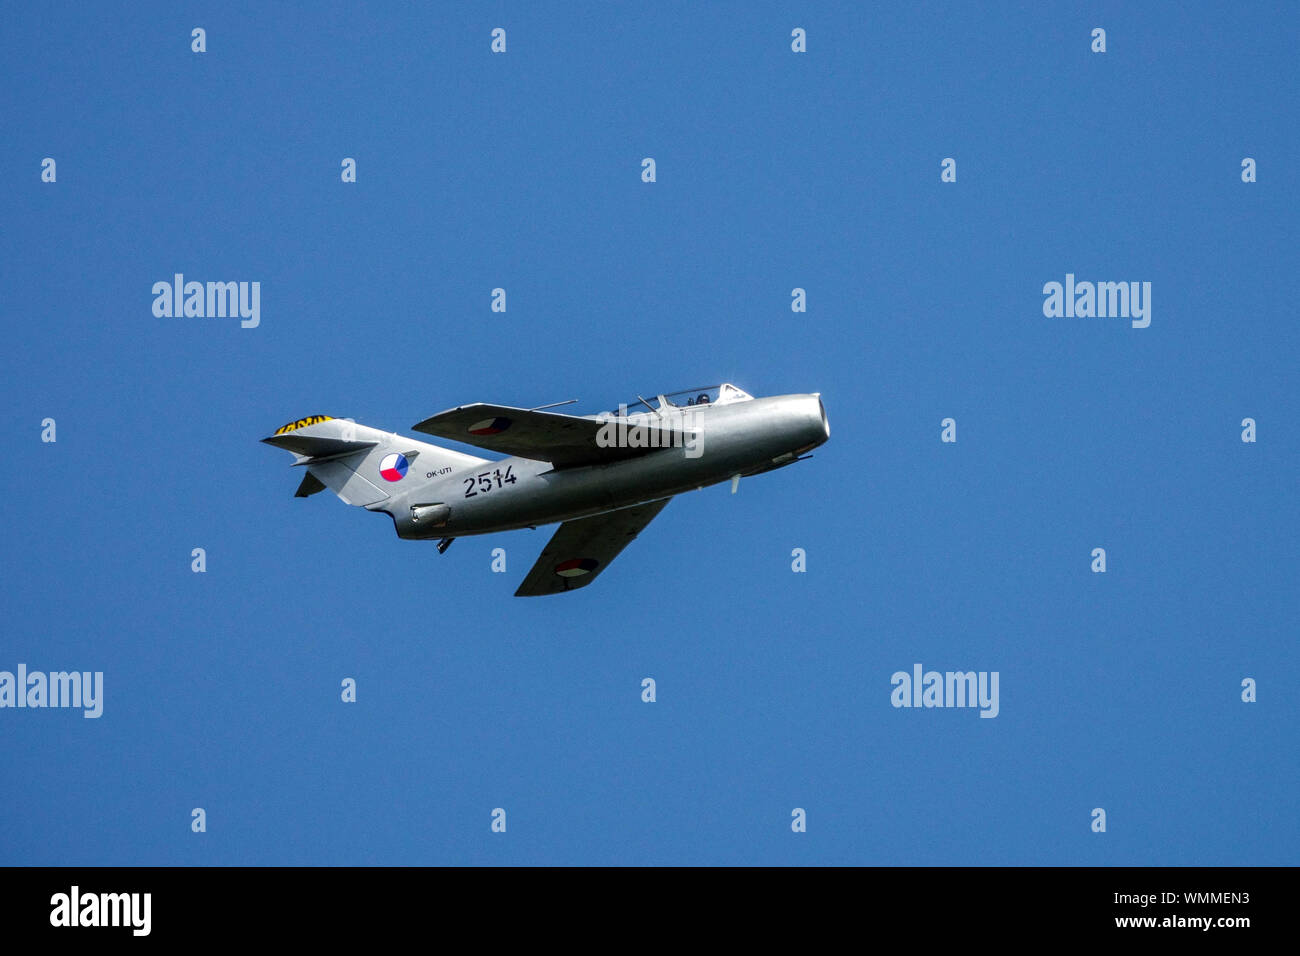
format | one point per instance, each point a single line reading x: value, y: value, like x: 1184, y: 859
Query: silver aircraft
x: 603, y: 476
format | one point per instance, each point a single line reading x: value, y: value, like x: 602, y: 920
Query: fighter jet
x: 603, y: 477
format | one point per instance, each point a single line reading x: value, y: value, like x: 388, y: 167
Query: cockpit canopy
x: 702, y: 396
x: 691, y: 397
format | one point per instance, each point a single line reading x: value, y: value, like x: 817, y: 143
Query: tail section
x: 362, y: 465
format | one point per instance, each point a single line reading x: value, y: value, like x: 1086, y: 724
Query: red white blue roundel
x: 489, y: 426
x: 576, y: 567
x: 393, y: 467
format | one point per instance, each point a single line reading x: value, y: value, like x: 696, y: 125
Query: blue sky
x: 775, y: 170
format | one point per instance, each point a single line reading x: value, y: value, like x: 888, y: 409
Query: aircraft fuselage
x: 729, y: 440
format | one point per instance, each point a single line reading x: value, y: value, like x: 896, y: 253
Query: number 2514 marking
x: 482, y: 484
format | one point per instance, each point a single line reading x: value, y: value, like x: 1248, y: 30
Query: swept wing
x: 580, y: 549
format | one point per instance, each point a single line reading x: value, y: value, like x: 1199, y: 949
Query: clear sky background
x: 775, y: 170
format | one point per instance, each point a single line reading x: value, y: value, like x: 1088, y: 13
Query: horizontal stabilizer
x: 310, y: 485
x: 360, y: 464
x: 314, y: 446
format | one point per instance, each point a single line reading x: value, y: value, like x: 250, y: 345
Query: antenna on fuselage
x: 553, y: 405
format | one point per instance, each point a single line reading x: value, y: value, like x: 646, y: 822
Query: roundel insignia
x: 489, y: 426
x: 393, y: 467
x: 576, y: 567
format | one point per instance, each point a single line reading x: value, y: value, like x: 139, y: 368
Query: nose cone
x: 815, y: 428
